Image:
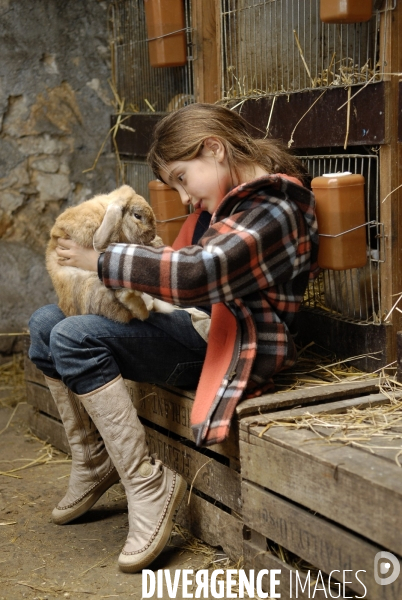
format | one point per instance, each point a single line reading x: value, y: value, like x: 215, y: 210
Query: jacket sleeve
x: 186, y: 232
x: 249, y: 251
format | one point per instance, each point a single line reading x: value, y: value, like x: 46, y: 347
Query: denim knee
x: 44, y: 319
x: 82, y: 361
x: 41, y: 325
x: 66, y: 339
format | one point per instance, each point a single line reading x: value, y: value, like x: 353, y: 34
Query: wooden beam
x: 390, y: 176
x: 325, y: 126
x: 206, y: 74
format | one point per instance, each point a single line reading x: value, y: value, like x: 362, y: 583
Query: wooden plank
x: 205, y: 64
x: 41, y: 398
x: 169, y: 408
x: 390, y: 174
x: 216, y: 527
x: 330, y: 408
x: 49, y: 430
x: 257, y: 559
x: 164, y: 407
x: 387, y: 449
x: 32, y: 373
x: 206, y: 474
x: 303, y: 396
x: 324, y: 125
x: 135, y: 139
x: 362, y: 493
x: 322, y: 543
x: 399, y: 354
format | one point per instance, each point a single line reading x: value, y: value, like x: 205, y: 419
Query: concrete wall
x: 55, y: 107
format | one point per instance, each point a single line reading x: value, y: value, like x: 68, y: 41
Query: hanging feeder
x: 169, y: 210
x: 346, y: 11
x: 166, y: 31
x: 341, y: 221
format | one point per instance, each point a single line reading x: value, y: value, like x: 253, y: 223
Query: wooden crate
x: 211, y: 510
x: 215, y: 510
x: 332, y: 505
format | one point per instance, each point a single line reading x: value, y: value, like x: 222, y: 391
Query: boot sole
x: 134, y: 563
x: 66, y: 515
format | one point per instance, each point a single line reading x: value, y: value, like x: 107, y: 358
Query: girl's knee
x: 44, y: 319
x: 68, y: 337
x: 67, y: 332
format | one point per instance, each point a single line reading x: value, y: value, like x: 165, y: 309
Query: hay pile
x: 316, y: 367
x: 375, y: 428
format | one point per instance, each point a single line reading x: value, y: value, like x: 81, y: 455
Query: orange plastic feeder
x: 346, y: 11
x: 341, y: 219
x: 169, y: 210
x: 166, y: 32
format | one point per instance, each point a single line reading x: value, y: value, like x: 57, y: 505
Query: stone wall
x: 55, y: 107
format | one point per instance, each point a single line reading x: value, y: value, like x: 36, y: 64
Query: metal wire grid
x: 144, y: 88
x: 354, y: 294
x: 138, y: 174
x: 273, y: 46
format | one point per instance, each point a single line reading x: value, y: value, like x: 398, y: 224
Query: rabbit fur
x: 121, y: 216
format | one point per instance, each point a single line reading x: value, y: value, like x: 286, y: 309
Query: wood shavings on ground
x: 47, y: 454
x: 213, y: 560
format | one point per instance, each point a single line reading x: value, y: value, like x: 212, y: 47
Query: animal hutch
x: 331, y: 92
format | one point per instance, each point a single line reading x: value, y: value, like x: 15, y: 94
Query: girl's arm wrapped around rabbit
x: 78, y: 237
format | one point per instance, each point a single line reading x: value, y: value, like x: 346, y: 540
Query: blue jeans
x: 88, y: 351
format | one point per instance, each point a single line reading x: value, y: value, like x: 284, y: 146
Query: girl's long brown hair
x: 181, y: 134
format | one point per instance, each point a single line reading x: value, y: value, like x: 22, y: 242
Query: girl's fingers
x: 62, y: 251
x: 66, y: 244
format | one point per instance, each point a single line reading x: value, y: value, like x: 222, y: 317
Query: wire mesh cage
x: 137, y: 174
x: 144, y: 88
x: 353, y: 294
x: 274, y: 46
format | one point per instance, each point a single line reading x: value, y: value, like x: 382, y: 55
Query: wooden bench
x: 333, y: 505
x: 270, y: 491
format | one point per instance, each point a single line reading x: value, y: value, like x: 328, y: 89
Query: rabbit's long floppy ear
x: 109, y: 228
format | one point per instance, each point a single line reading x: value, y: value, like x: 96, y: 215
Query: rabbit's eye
x: 138, y: 216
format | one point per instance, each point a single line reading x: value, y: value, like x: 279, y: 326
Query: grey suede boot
x: 154, y: 492
x: 92, y: 471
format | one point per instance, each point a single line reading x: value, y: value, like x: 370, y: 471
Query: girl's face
x: 203, y: 181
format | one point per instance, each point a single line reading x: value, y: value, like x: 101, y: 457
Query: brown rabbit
x: 121, y: 216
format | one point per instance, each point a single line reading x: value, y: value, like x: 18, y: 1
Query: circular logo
x: 386, y: 568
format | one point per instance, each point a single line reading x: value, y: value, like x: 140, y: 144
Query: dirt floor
x: 43, y: 561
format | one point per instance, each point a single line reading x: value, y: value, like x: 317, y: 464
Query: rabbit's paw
x: 133, y: 301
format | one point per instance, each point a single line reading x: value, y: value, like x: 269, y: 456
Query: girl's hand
x: 72, y: 255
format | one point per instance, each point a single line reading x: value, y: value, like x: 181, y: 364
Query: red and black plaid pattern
x: 256, y: 259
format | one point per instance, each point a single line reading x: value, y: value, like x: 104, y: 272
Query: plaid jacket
x: 252, y: 265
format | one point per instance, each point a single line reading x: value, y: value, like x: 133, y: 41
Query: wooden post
x: 390, y: 178
x: 399, y: 356
x: 206, y: 74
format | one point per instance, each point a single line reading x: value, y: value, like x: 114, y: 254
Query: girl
x: 243, y: 259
